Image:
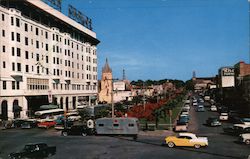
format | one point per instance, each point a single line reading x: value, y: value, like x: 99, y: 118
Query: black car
x: 237, y: 129
x: 37, y: 150
x: 29, y: 124
x: 213, y: 121
x: 77, y: 130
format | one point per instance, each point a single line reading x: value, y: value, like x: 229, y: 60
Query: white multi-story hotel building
x: 44, y: 54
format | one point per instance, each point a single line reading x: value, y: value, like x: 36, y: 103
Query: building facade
x: 45, y: 57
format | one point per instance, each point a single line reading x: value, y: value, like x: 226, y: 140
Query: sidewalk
x: 162, y: 133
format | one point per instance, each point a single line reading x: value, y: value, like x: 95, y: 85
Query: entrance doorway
x: 4, y: 110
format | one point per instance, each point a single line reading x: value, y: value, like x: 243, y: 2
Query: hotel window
x: 19, y: 67
x: 53, y: 37
x: 37, y: 57
x: 13, y: 85
x: 38, y: 70
x: 13, y: 66
x: 17, y: 22
x: 13, y: 51
x: 47, y: 71
x: 25, y: 26
x: 12, y: 36
x: 37, y: 31
x: 12, y: 21
x: 46, y: 47
x: 37, y: 44
x: 2, y: 17
x: 3, y: 33
x: 18, y: 52
x: 18, y: 85
x: 46, y: 35
x: 4, y: 85
x: 26, y: 68
x: 26, y: 41
x: 47, y: 59
x: 57, y: 38
x: 18, y: 39
x: 26, y: 55
x: 3, y: 48
x: 4, y: 65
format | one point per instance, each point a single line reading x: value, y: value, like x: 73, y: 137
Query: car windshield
x: 246, y: 119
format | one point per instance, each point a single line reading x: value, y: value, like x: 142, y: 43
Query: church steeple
x: 106, y: 68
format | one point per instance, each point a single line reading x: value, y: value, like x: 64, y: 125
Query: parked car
x: 213, y: 108
x: 184, y: 112
x: 181, y: 126
x: 18, y: 122
x: 245, y: 121
x: 200, y: 108
x: 237, y: 129
x: 38, y: 150
x: 184, y: 116
x: 46, y: 124
x: 77, y: 130
x: 223, y: 116
x: 195, y: 104
x: 186, y: 139
x: 186, y: 107
x: 245, y: 138
x: 74, y: 117
x: 213, y: 121
x: 29, y: 123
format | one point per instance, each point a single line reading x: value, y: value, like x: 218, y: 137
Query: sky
x: 168, y: 39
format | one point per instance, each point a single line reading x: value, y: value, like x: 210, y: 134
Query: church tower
x: 106, y: 84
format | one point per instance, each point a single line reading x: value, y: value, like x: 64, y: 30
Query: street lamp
x: 112, y: 97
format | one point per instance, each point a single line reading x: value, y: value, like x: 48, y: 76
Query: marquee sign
x: 79, y: 17
x: 227, y: 71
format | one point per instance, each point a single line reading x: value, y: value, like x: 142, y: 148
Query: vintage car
x: 186, y: 139
x: 245, y: 138
x: 46, y: 124
x: 37, y: 150
x: 213, y: 108
x: 237, y: 129
x: 213, y: 121
x: 181, y: 126
x: 223, y: 116
x: 200, y: 108
x: 77, y: 130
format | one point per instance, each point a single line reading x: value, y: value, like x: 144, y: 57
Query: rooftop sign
x: 79, y: 17
x: 56, y: 4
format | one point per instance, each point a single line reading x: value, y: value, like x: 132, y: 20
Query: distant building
x: 202, y: 83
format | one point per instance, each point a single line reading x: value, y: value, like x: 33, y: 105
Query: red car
x: 46, y: 124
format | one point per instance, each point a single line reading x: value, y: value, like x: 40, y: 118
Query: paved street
x: 221, y: 146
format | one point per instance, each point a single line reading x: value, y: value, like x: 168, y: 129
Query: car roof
x: 186, y: 134
x: 242, y: 125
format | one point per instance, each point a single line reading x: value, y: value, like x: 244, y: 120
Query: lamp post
x: 112, y: 97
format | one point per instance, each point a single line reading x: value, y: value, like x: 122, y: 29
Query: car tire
x: 197, y: 146
x: 64, y: 133
x: 171, y: 144
x: 247, y: 142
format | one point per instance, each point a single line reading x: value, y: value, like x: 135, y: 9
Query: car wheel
x: 171, y: 144
x: 197, y: 146
x: 247, y: 142
x: 84, y: 134
x: 64, y: 133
